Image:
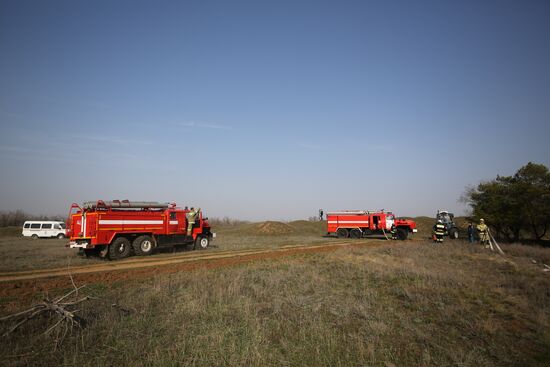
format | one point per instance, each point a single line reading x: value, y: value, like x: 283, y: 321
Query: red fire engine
x: 118, y: 228
x: 361, y: 223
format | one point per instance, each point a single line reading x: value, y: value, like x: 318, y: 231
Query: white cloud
x: 112, y: 140
x: 202, y: 125
x: 8, y: 148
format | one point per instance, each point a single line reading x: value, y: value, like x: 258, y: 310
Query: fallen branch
x: 64, y: 313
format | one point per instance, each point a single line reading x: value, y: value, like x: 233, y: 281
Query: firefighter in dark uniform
x: 393, y: 232
x: 439, y: 231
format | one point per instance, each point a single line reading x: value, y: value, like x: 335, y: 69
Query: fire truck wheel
x: 143, y: 245
x: 119, y: 249
x: 202, y: 243
x: 402, y: 234
x: 342, y: 233
x: 89, y: 252
x: 355, y: 233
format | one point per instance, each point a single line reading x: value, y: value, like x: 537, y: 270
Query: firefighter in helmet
x: 439, y: 231
x: 190, y: 216
x: 393, y: 232
x: 483, y: 232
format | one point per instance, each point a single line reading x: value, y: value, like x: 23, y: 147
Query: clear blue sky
x: 258, y: 110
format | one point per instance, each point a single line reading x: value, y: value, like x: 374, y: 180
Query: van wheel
x: 201, y: 243
x: 119, y: 249
x: 61, y: 236
x: 34, y: 236
x: 143, y: 245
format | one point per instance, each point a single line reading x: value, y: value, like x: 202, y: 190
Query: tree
x: 533, y: 184
x: 514, y: 204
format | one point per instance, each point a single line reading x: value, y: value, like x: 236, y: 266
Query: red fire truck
x: 361, y: 223
x: 118, y: 228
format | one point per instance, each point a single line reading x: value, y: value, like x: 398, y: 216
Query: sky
x: 269, y: 109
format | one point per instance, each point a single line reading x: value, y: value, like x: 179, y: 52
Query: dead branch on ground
x: 60, y: 312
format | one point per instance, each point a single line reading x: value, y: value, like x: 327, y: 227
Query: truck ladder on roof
x: 123, y: 204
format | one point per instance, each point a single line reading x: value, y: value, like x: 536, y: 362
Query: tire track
x: 153, y: 262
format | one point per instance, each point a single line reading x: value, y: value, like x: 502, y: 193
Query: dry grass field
x: 394, y: 304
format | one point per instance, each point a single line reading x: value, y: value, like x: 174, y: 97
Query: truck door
x: 376, y: 221
x: 173, y: 222
x: 182, y: 222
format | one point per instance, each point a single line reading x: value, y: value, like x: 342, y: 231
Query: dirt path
x: 27, y: 283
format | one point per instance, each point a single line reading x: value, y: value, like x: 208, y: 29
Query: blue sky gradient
x: 269, y: 110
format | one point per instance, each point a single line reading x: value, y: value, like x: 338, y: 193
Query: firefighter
x: 393, y: 232
x: 483, y: 232
x: 471, y: 232
x: 439, y: 231
x: 190, y: 216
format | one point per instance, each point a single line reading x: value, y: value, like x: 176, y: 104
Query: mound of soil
x: 273, y: 228
x: 308, y: 227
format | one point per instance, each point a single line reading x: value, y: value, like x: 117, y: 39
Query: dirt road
x: 30, y: 282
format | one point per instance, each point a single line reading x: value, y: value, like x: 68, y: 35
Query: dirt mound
x: 308, y: 227
x: 273, y: 228
x: 424, y: 226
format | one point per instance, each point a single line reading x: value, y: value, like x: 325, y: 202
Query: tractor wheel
x: 143, y: 245
x: 34, y: 236
x: 402, y: 234
x: 60, y: 236
x: 453, y: 234
x: 342, y: 233
x: 356, y: 233
x: 119, y: 249
x: 201, y: 243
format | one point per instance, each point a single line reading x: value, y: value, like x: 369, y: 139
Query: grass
x: 22, y: 253
x: 19, y: 253
x: 402, y: 304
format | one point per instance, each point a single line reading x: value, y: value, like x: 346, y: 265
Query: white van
x: 37, y: 229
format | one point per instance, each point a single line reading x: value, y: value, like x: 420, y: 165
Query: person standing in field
x: 439, y: 231
x: 483, y: 232
x: 190, y: 216
x: 393, y: 232
x: 470, y: 232
x: 321, y: 214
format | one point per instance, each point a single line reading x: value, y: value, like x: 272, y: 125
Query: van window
x: 27, y: 225
x: 47, y: 226
x: 35, y: 226
x: 63, y: 225
x: 56, y: 226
